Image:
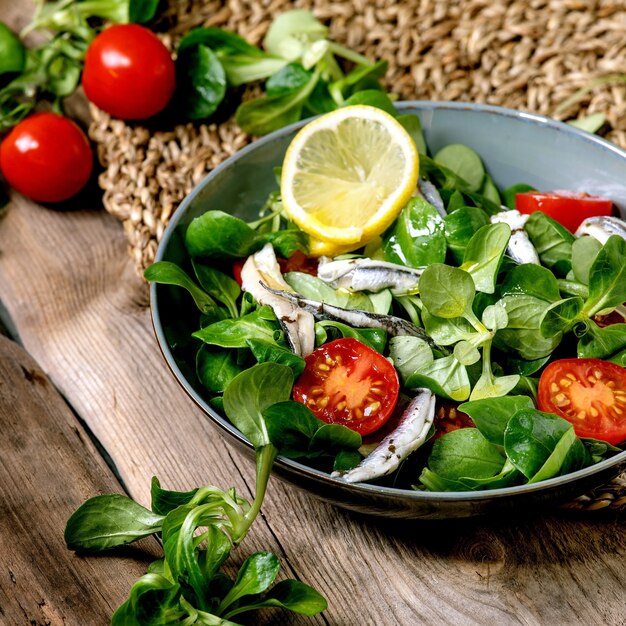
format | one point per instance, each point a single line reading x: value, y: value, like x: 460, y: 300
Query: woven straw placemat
x: 525, y: 54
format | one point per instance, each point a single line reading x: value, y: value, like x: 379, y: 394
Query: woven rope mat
x: 524, y: 54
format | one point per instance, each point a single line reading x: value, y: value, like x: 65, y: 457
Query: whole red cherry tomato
x: 46, y: 157
x: 589, y: 393
x: 567, y: 208
x: 128, y: 72
x: 346, y: 382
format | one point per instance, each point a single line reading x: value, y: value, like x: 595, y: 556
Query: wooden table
x: 88, y: 406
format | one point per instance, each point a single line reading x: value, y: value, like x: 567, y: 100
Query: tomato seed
x: 571, y: 376
x: 554, y: 388
x: 323, y: 402
x: 592, y: 380
x: 561, y: 400
x: 359, y: 412
x: 317, y: 391
x: 597, y: 373
x: 329, y: 361
x: 323, y: 367
x: 564, y: 382
x: 341, y: 406
x: 594, y: 411
x: 374, y: 407
x: 582, y: 415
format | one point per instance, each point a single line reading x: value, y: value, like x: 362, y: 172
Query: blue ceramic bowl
x: 516, y: 147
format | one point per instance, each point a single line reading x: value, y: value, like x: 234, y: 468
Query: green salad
x: 469, y: 346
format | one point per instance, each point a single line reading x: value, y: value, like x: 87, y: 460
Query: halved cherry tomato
x: 299, y: 262
x: 128, y: 72
x: 237, y: 267
x: 567, y: 208
x: 346, y: 382
x: 614, y: 317
x: 449, y: 418
x: 589, y: 393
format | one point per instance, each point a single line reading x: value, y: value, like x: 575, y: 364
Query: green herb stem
x: 265, y: 459
x: 349, y: 55
x: 581, y: 93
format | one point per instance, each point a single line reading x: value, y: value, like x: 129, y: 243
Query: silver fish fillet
x: 520, y: 248
x: 431, y: 194
x: 395, y: 326
x: 601, y: 227
x: 260, y: 275
x: 369, y: 275
x: 410, y: 434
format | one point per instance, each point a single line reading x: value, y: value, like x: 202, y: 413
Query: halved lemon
x: 347, y: 175
x: 317, y: 247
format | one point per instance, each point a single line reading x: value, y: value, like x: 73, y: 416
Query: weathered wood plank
x: 48, y: 467
x: 78, y: 308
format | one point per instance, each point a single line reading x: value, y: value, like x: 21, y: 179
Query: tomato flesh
x: 128, y: 72
x: 449, y: 418
x: 567, y: 208
x: 299, y: 262
x: 589, y: 393
x: 346, y: 382
x: 614, y: 317
x: 46, y: 157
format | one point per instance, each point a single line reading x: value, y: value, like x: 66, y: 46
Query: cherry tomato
x: 614, y: 317
x: 299, y: 262
x: 589, y: 393
x: 449, y: 418
x: 128, y: 72
x: 46, y: 157
x: 237, y: 267
x: 567, y: 208
x: 346, y: 382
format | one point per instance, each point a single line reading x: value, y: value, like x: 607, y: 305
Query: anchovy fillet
x: 410, y: 434
x: 431, y: 194
x: 601, y: 227
x: 261, y: 273
x: 369, y: 275
x: 394, y: 326
x: 520, y: 248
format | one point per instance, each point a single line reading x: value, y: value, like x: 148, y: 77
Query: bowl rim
x: 317, y: 475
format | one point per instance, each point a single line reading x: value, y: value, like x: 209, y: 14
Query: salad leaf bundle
x: 300, y: 65
x: 198, y: 529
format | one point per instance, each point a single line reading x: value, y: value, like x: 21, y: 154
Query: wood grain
x: 80, y: 311
x: 48, y: 467
x: 70, y: 289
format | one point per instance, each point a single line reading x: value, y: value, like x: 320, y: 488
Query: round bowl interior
x: 515, y: 147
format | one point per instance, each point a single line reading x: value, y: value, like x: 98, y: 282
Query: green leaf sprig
x: 300, y: 65
x: 199, y: 528
x: 52, y: 70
